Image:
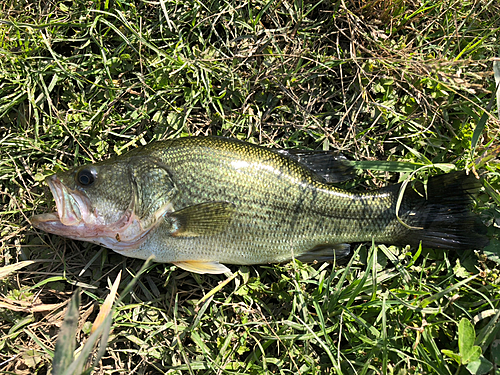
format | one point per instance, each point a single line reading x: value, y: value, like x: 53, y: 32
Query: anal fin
x: 326, y: 253
x: 203, y: 267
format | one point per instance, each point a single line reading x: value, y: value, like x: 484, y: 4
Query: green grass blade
x: 65, y: 345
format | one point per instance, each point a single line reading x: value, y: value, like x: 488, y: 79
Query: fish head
x: 103, y: 203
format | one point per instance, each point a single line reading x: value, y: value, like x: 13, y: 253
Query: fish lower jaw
x: 38, y: 220
x: 127, y: 234
x: 50, y: 222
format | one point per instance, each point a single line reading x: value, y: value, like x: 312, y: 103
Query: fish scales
x: 274, y: 180
x: 202, y: 201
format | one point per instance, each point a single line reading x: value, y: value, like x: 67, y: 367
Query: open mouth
x: 76, y: 218
x: 71, y: 207
x: 68, y: 208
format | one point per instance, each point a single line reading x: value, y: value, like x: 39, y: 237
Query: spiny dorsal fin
x: 203, y: 267
x: 203, y: 219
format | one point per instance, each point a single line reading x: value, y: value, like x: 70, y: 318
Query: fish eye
x: 85, y: 177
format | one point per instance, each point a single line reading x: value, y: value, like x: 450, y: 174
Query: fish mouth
x: 73, y: 208
x: 72, y: 205
x: 75, y: 218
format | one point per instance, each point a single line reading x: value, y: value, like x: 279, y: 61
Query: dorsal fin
x: 331, y: 168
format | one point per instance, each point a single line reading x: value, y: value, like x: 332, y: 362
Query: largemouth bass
x: 201, y: 202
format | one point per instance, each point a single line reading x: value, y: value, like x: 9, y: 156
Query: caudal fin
x: 443, y: 210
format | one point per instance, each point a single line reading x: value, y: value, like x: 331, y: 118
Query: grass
x: 394, y: 84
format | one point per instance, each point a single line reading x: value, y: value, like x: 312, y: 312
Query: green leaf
x: 442, y: 293
x: 466, y: 337
x: 460, y: 271
x: 452, y: 355
x: 390, y: 166
x: 77, y: 366
x: 492, y: 251
x: 472, y: 355
x: 480, y: 366
x: 492, y: 192
x: 66, y: 343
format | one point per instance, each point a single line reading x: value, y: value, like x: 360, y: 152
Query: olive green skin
x: 281, y: 208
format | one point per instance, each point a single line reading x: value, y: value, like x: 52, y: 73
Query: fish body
x: 200, y: 202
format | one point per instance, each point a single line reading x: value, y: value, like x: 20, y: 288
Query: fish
x: 204, y: 202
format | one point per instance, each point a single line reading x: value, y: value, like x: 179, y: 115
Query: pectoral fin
x: 203, y: 267
x: 203, y: 219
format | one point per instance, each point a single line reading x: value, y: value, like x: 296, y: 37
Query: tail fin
x: 443, y: 211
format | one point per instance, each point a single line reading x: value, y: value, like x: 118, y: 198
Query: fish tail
x: 442, y: 212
